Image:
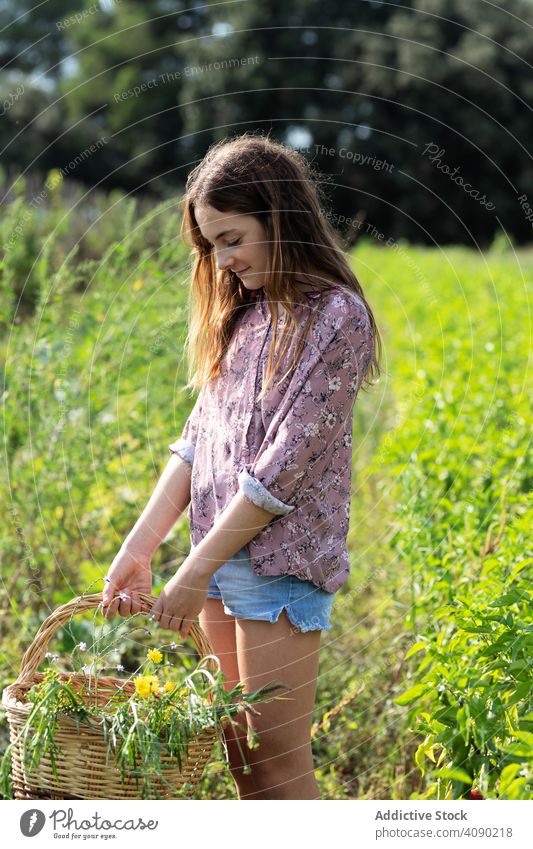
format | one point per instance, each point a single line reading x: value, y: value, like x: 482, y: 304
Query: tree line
x: 416, y: 114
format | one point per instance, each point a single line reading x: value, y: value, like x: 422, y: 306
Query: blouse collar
x: 258, y: 298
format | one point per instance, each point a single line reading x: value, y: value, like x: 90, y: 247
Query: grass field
x: 425, y: 678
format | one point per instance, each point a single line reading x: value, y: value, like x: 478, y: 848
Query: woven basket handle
x: 35, y: 654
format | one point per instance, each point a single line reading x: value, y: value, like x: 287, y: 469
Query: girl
x: 264, y: 459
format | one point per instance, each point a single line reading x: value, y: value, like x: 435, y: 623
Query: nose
x: 224, y: 258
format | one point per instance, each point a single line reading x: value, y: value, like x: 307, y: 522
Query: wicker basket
x: 82, y: 769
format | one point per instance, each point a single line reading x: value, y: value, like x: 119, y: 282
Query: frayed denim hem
x: 314, y: 624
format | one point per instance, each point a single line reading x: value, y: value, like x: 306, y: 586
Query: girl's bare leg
x: 220, y: 631
x: 282, y: 766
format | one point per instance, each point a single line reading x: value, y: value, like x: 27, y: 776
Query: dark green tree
x: 395, y: 103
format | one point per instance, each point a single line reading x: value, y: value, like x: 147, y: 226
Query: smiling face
x: 239, y: 241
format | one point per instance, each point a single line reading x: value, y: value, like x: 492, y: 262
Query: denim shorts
x: 250, y: 596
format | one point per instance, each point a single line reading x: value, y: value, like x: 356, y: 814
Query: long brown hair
x: 251, y: 174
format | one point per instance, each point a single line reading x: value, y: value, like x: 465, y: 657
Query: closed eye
x: 232, y: 244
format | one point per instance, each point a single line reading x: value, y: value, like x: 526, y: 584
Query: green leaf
x: 526, y: 736
x: 508, y: 598
x: 519, y: 566
x: 419, y: 646
x: 518, y: 750
x: 454, y: 774
x: 508, y: 773
x: 420, y: 757
x: 411, y: 695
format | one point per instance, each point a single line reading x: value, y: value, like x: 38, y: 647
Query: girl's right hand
x: 130, y: 574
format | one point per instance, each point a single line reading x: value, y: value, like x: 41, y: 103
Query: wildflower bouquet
x: 85, y: 736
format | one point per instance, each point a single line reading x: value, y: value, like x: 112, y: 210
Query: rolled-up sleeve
x: 184, y: 447
x: 316, y: 412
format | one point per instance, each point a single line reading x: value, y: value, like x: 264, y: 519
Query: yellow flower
x: 169, y: 686
x: 145, y: 685
x: 155, y: 655
x: 142, y: 687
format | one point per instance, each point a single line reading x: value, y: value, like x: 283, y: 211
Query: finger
x: 186, y: 626
x: 165, y: 619
x: 124, y: 607
x: 174, y: 624
x: 159, y: 608
x: 156, y: 611
x: 108, y: 592
x: 136, y: 604
x: 112, y: 608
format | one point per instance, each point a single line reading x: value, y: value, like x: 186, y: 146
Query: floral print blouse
x: 291, y: 451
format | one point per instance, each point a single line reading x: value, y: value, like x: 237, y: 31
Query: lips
x: 243, y: 270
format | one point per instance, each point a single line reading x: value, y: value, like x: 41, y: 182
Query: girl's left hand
x: 182, y: 599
